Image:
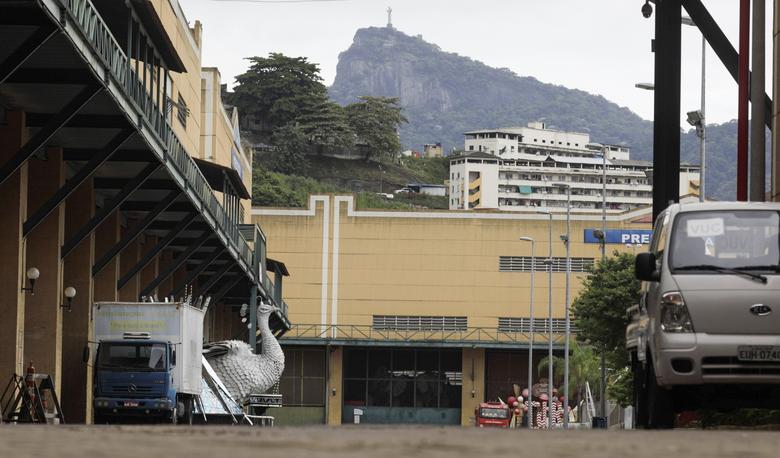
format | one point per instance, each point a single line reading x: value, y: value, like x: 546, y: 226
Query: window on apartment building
x: 396, y: 377
x: 181, y: 111
x: 471, y: 147
x: 524, y: 264
x: 303, y: 379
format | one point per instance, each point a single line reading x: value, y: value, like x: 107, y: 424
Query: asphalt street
x: 396, y: 442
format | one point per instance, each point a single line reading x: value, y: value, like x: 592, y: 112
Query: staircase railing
x: 96, y: 32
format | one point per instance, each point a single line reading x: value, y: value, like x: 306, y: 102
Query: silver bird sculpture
x: 242, y: 371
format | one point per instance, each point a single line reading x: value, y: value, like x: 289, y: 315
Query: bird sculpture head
x: 264, y: 309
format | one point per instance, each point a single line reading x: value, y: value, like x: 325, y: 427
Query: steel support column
x: 133, y: 233
x: 177, y: 261
x: 74, y: 182
x: 48, y: 131
x: 110, y: 206
x: 161, y: 245
x: 666, y: 125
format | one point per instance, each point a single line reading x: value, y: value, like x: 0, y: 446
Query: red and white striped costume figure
x: 526, y: 412
x: 541, y: 415
x: 557, y: 414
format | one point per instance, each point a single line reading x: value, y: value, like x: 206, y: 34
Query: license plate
x: 758, y: 353
x: 131, y: 404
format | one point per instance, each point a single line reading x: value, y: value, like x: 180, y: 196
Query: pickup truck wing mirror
x: 645, y: 267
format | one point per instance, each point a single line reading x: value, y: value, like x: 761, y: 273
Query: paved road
x: 396, y: 442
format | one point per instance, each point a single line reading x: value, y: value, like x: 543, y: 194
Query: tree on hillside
x: 290, y: 148
x: 376, y: 121
x: 275, y: 90
x: 600, y: 316
x: 325, y: 123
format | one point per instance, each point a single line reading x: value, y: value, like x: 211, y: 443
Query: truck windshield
x: 132, y: 357
x: 719, y: 241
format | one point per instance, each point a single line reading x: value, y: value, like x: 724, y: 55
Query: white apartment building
x: 518, y: 167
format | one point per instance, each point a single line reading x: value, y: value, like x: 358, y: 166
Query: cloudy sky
x: 599, y: 46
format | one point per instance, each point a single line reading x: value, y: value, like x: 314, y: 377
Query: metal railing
x: 472, y: 335
x: 96, y: 32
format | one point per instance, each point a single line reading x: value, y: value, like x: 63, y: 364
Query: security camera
x: 647, y: 10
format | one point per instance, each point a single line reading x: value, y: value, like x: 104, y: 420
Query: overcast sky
x: 599, y: 46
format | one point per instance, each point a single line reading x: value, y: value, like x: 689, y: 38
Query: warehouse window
x: 541, y: 325
x: 303, y: 379
x: 420, y: 323
x: 524, y: 263
x: 402, y: 378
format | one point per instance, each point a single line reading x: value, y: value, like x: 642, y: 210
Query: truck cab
x: 135, y: 377
x: 706, y: 331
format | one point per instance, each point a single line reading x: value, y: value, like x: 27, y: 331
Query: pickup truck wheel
x: 99, y: 419
x: 640, y: 393
x: 660, y: 412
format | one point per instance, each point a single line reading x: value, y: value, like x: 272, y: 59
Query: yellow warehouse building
x: 418, y: 316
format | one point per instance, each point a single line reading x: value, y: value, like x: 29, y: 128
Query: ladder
x: 22, y: 404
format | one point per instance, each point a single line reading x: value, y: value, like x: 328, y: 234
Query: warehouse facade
x: 416, y: 317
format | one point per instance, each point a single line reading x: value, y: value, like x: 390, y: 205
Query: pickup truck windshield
x: 132, y: 357
x: 721, y: 241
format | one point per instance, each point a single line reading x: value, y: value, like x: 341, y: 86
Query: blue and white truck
x: 147, y: 366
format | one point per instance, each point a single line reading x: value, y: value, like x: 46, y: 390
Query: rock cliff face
x: 445, y: 94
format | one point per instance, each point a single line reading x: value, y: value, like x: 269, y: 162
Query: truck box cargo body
x: 148, y: 360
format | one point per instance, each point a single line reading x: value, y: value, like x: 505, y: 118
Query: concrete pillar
x: 76, y: 392
x: 43, y: 314
x: 473, y: 391
x: 127, y: 259
x: 13, y: 201
x: 106, y: 236
x: 152, y: 269
x: 333, y: 395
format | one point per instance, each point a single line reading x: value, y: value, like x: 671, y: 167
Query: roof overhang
x: 115, y: 14
x: 215, y: 174
x: 273, y: 265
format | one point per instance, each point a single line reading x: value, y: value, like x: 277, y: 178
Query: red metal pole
x: 744, y: 90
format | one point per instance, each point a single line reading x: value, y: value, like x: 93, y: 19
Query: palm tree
x: 584, y: 367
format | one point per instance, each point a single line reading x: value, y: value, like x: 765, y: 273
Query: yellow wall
x: 425, y: 263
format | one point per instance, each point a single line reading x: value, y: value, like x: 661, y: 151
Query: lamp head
x: 527, y: 239
x: 70, y: 293
x: 33, y: 274
x: 647, y: 10
x: 695, y: 118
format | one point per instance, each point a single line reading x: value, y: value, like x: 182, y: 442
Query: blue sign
x: 622, y: 236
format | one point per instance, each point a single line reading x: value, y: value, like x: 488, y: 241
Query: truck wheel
x: 640, y: 393
x: 187, y: 414
x: 660, y: 412
x: 99, y: 419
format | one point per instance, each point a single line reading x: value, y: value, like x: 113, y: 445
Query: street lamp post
x: 549, y: 262
x: 530, y: 415
x: 701, y: 126
x: 567, y: 318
